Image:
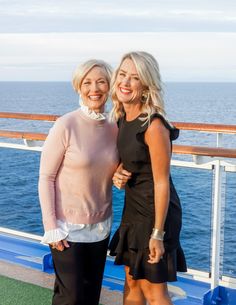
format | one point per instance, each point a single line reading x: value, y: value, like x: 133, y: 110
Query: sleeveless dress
x: 130, y: 243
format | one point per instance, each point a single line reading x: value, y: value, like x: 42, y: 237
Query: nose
x: 94, y: 86
x: 126, y: 80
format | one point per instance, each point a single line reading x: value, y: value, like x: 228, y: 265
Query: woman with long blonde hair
x: 147, y: 241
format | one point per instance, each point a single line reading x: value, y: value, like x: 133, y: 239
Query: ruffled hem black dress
x: 130, y: 243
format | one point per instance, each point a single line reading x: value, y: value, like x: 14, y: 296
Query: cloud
x: 120, y: 15
x: 182, y: 56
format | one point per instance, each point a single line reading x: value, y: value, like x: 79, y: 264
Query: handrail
x: 177, y: 149
x: 206, y: 127
x: 23, y: 135
x: 220, y: 128
x: 29, y: 116
x: 204, y: 151
x: 217, y: 165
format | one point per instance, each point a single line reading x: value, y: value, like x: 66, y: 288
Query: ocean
x: 187, y: 102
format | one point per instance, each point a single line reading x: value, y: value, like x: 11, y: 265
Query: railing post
x: 219, y: 139
x: 216, y: 226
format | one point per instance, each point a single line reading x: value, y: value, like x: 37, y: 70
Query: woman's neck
x: 132, y: 111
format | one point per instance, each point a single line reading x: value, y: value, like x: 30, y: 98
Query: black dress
x: 130, y: 243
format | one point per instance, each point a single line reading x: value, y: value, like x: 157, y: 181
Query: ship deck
x: 14, y: 278
x: 25, y: 260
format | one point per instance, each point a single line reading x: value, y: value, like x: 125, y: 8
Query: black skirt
x: 129, y: 245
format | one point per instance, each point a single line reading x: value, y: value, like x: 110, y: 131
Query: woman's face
x: 128, y: 84
x: 94, y: 89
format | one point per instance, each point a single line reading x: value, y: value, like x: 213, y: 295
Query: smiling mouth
x: 94, y: 97
x: 125, y: 91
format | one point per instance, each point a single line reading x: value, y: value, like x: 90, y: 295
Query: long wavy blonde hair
x: 148, y: 72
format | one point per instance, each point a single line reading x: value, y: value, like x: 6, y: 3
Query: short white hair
x: 83, y: 69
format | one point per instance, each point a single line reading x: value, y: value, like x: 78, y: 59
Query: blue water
x: 189, y: 102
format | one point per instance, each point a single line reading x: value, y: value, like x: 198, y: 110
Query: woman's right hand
x: 60, y: 245
x: 121, y: 177
x: 156, y: 250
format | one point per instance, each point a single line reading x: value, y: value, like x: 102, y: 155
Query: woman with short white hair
x: 78, y: 161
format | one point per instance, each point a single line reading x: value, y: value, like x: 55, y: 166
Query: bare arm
x: 157, y: 139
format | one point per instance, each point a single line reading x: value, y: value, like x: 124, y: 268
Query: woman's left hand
x: 156, y: 248
x: 121, y: 177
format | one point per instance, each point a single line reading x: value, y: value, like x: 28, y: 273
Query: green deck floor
x: 14, y: 292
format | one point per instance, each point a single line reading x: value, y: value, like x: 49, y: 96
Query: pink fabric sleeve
x: 51, y: 158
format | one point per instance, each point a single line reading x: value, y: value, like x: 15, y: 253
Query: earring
x: 145, y: 96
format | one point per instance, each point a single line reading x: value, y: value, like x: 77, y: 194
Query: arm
x: 51, y: 158
x: 157, y: 139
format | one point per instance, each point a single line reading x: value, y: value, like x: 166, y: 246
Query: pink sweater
x: 78, y: 160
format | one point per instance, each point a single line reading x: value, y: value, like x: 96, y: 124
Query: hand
x: 156, y: 249
x: 121, y: 177
x: 60, y: 245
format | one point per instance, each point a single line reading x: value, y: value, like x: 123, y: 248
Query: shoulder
x: 68, y: 119
x: 157, y: 129
x: 158, y: 123
x: 63, y: 124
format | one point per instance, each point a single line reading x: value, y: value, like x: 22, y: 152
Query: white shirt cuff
x: 53, y: 236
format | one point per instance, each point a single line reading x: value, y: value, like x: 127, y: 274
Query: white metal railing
x: 218, y: 165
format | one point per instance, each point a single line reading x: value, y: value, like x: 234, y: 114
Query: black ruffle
x: 174, y: 132
x: 130, y: 246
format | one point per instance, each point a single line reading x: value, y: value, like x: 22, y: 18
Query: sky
x: 47, y: 39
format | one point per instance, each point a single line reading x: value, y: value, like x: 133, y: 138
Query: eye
x: 122, y: 74
x: 86, y: 83
x: 102, y: 82
x: 136, y: 78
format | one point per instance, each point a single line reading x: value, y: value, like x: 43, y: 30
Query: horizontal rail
x: 29, y: 116
x: 204, y: 151
x: 178, y: 149
x: 23, y: 135
x: 220, y: 128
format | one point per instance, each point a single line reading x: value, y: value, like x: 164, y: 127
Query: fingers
x: 65, y: 242
x: 121, y: 177
x: 60, y: 245
x: 152, y: 256
x: 153, y: 259
x: 117, y: 183
x: 126, y: 173
x: 156, y: 249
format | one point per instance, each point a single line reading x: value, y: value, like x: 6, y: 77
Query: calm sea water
x: 189, y: 102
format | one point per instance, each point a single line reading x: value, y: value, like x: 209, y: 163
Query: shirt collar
x: 92, y: 114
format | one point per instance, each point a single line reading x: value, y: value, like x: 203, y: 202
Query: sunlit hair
x: 148, y: 72
x: 84, y: 68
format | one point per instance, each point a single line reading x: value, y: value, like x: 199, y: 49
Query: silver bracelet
x: 157, y: 234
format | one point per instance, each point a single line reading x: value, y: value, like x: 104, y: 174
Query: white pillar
x: 216, y: 226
